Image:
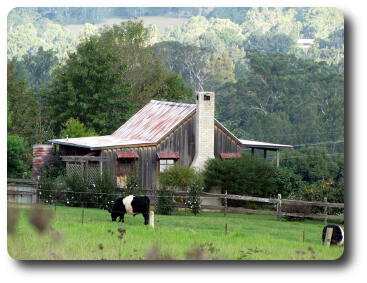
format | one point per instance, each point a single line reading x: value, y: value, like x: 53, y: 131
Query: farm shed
x: 158, y: 136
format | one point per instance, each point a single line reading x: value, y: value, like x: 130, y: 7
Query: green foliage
x: 249, y: 175
x: 246, y: 175
x: 108, y: 78
x: 16, y: 154
x: 132, y: 185
x: 221, y: 71
x: 183, y: 178
x: 54, y: 167
x: 271, y: 99
x: 102, y: 190
x: 73, y: 128
x: 35, y: 33
x: 320, y: 190
x: 77, y: 188
x: 177, y: 176
x: 99, y: 194
x: 36, y: 68
x: 276, y: 20
x: 164, y: 202
x: 195, y: 189
x: 287, y: 181
x: 313, y: 164
x: 270, y: 42
x: 25, y: 117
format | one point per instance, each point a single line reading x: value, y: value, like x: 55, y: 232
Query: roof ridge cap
x: 171, y: 103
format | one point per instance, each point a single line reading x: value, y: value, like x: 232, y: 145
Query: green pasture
x: 89, y: 234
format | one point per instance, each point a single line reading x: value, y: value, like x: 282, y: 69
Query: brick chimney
x: 204, y: 129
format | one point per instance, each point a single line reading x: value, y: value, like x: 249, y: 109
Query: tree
x: 285, y: 99
x: 108, y: 78
x: 36, y: 68
x: 249, y: 175
x: 73, y: 128
x: 279, y: 20
x: 221, y: 71
x: 23, y: 108
x: 189, y: 61
x: 269, y: 42
x: 17, y: 159
x: 27, y: 38
x: 322, y: 21
x: 313, y: 164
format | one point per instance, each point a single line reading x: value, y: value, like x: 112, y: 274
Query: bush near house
x: 250, y: 175
x: 97, y: 194
x: 179, y: 178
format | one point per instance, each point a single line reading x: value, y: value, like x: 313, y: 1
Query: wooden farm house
x: 158, y: 136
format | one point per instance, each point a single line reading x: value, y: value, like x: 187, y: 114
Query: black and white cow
x: 131, y: 205
x: 337, y: 238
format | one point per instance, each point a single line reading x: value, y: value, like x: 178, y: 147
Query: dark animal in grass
x: 131, y: 205
x: 337, y: 238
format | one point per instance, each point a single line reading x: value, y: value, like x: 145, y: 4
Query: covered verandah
x: 249, y: 145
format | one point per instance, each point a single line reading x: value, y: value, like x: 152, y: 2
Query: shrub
x: 103, y: 189
x: 132, y: 185
x: 164, y: 202
x: 195, y: 190
x: 183, y: 178
x: 77, y: 188
x: 54, y: 167
x: 287, y: 181
x: 177, y: 176
x: 248, y: 175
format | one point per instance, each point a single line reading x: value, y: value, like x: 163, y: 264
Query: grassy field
x: 179, y: 236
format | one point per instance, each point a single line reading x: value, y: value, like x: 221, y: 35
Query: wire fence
x: 181, y: 200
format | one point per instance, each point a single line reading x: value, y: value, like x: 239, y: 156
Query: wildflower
x: 100, y: 246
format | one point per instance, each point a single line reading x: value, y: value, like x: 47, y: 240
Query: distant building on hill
x: 305, y: 42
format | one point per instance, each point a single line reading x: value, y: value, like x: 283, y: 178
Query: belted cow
x: 337, y: 238
x: 131, y: 205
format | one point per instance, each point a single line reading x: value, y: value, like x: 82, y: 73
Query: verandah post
x: 279, y: 207
x: 225, y: 213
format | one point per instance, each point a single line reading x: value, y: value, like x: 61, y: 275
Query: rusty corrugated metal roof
x: 154, y: 121
x: 127, y: 155
x: 148, y: 126
x: 225, y: 155
x: 168, y: 155
x: 98, y: 142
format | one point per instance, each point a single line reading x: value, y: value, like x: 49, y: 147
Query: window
x: 126, y: 166
x: 164, y: 164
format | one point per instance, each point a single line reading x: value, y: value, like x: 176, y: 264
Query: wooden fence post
x: 225, y: 213
x: 151, y: 218
x: 325, y: 211
x: 329, y: 233
x: 279, y: 207
x: 82, y: 213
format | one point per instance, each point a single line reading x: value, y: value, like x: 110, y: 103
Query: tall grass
x: 249, y: 237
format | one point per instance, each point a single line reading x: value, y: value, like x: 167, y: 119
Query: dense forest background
x: 72, y: 72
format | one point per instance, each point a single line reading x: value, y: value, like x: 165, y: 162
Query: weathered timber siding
x: 147, y: 162
x: 181, y: 140
x: 223, y: 143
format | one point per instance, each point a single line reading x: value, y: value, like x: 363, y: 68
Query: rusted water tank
x: 41, y: 154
